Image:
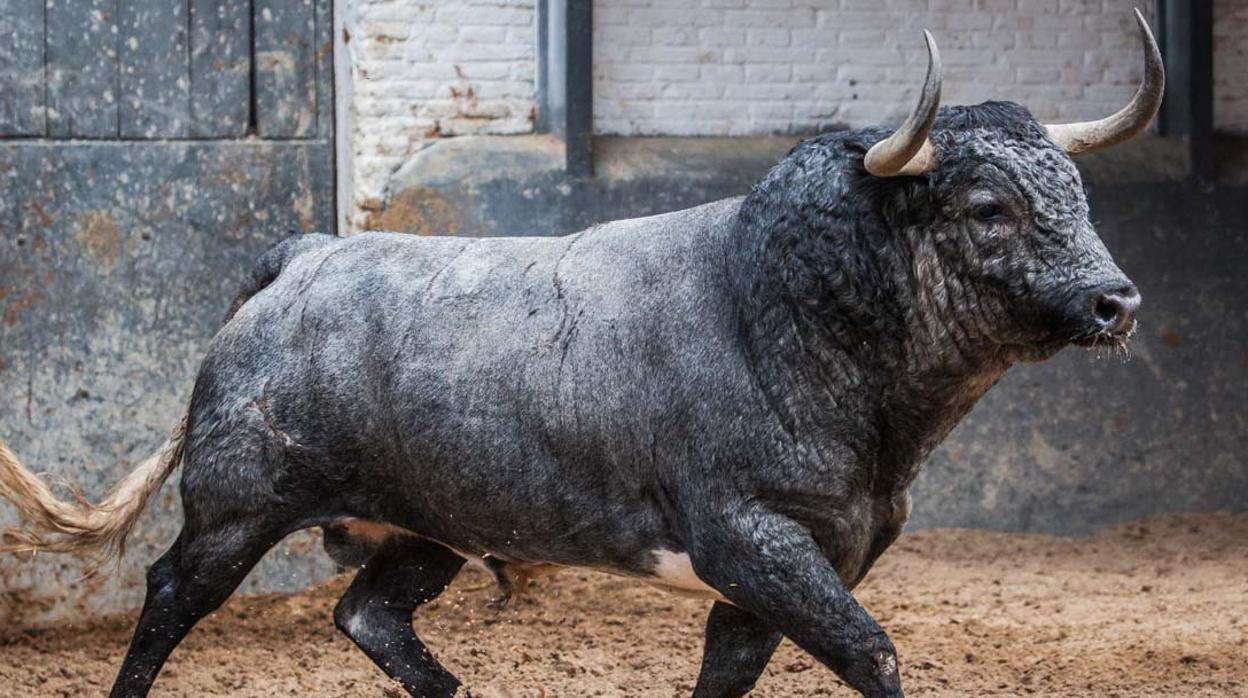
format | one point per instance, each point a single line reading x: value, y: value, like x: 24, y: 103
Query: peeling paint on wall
x: 97, y: 232
x: 419, y: 210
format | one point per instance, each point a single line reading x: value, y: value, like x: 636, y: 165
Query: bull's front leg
x: 771, y: 567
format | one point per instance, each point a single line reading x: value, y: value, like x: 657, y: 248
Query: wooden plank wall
x: 285, y: 68
x: 154, y: 69
x: 21, y: 68
x: 81, y: 44
x: 220, y: 68
x: 165, y: 69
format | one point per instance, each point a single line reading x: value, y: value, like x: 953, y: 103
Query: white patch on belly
x: 675, y: 573
x: 355, y: 625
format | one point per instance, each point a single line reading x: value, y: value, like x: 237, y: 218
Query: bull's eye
x: 988, y: 212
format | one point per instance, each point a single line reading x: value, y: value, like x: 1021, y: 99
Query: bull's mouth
x: 1095, y: 339
x: 1107, y: 340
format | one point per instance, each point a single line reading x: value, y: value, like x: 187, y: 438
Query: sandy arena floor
x: 1155, y: 608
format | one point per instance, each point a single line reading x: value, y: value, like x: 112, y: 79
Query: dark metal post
x: 1187, y: 46
x: 542, y: 122
x: 565, y: 79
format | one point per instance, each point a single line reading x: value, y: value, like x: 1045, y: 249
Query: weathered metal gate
x: 149, y: 150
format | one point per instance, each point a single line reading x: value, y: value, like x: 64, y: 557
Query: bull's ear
x: 1091, y: 136
x: 908, y: 152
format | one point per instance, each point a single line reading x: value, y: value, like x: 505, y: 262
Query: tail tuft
x: 99, y: 531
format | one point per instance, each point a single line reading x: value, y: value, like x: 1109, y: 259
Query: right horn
x: 1091, y: 136
x: 908, y: 152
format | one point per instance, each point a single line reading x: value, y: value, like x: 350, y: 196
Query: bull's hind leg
x: 187, y: 583
x: 376, y: 612
x: 738, y: 647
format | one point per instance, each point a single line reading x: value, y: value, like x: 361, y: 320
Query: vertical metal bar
x: 580, y: 90
x: 1187, y: 113
x: 1202, y: 90
x: 565, y: 79
x: 541, y: 87
x: 344, y: 91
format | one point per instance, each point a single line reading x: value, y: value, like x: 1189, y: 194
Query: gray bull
x: 730, y: 400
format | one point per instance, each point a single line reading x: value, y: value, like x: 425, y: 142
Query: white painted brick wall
x: 728, y: 67
x: 1230, y: 66
x: 723, y: 67
x: 423, y: 70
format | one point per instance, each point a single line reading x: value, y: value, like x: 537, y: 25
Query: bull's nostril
x: 1115, y: 310
x: 1107, y: 309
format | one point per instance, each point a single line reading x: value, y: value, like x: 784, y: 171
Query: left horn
x: 908, y: 152
x: 1091, y: 136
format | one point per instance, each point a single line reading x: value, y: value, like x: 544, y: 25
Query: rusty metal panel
x: 145, y: 69
x: 122, y: 240
x: 21, y: 68
x: 220, y: 68
x: 154, y: 66
x: 117, y: 263
x: 286, y: 68
x: 82, y: 68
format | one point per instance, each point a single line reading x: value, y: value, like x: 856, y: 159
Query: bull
x: 730, y: 401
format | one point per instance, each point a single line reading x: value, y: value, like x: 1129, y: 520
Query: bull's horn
x: 1091, y: 136
x: 908, y: 152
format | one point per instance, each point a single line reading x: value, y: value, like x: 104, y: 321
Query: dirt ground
x: 1146, y: 609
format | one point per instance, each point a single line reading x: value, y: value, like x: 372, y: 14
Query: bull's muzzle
x: 1113, y: 310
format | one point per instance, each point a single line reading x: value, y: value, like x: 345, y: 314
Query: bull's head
x: 1008, y: 219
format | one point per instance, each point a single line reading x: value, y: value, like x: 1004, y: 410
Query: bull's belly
x: 673, y: 571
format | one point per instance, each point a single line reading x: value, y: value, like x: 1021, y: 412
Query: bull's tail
x: 52, y: 524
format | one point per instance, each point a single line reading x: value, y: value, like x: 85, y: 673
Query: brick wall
x: 433, y: 69
x: 1230, y: 65
x: 735, y: 67
x: 726, y: 67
